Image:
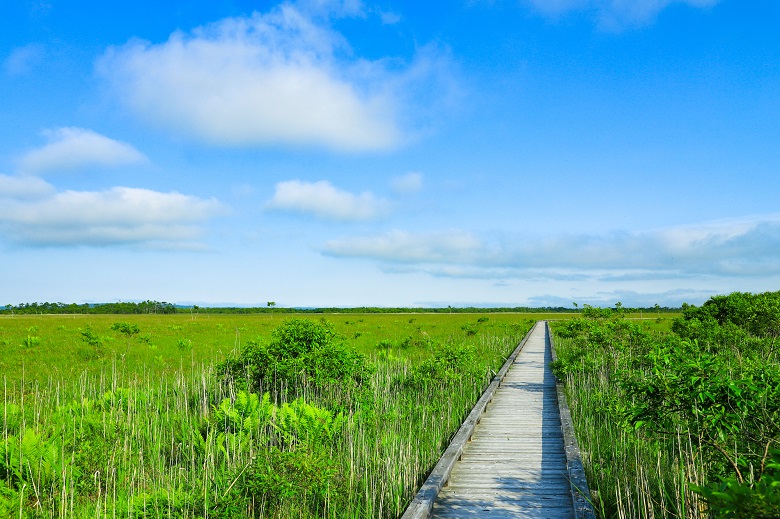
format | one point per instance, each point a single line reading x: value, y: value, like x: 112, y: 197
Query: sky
x: 389, y: 153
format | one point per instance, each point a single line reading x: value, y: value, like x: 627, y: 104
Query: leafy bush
x: 297, y: 479
x: 31, y: 341
x: 300, y: 423
x: 300, y: 349
x: 246, y: 413
x: 446, y: 366
x: 715, y: 380
x: 732, y: 499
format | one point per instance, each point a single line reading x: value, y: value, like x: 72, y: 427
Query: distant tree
x: 126, y: 329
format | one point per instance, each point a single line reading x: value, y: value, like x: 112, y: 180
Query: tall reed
x: 130, y: 444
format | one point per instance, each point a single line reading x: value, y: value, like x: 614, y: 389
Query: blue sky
x: 392, y: 153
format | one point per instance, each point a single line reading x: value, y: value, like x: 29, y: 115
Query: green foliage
x: 299, y: 350
x: 126, y: 329
x: 30, y: 459
x: 246, y: 413
x: 31, y: 341
x: 9, y: 500
x: 469, y: 328
x: 89, y: 337
x: 446, y: 366
x: 300, y: 423
x: 298, y: 479
x: 732, y: 499
x: 715, y: 381
x: 592, y: 312
x: 756, y: 315
x: 146, y: 307
x: 722, y: 405
x: 153, y: 438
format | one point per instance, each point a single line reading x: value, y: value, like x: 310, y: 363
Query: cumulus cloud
x: 749, y: 247
x: 410, y: 183
x: 615, y: 13
x: 73, y: 148
x: 23, y: 187
x: 117, y: 216
x: 323, y: 200
x: 281, y: 77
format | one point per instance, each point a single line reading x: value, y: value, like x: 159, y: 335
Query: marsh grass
x: 683, y: 423
x: 153, y: 432
x: 631, y: 475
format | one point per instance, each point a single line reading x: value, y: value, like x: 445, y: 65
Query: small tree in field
x: 126, y: 329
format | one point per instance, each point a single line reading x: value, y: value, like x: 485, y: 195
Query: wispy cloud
x: 748, y: 247
x: 448, y: 247
x: 390, y: 18
x: 22, y: 60
x: 117, y: 216
x: 74, y: 148
x: 323, y: 200
x: 628, y: 298
x: 282, y: 77
x: 409, y: 183
x: 614, y: 14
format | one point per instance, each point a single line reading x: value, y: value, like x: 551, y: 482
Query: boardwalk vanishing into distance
x: 512, y: 458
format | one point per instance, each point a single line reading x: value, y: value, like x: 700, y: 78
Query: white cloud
x: 118, y: 216
x: 23, y: 187
x: 615, y: 13
x: 742, y: 248
x: 325, y: 201
x: 404, y: 247
x: 410, y: 183
x: 73, y: 148
x: 283, y: 77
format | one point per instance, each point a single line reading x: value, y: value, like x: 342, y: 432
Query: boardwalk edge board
x: 422, y: 504
x: 580, y: 494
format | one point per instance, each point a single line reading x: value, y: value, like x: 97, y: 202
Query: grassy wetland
x: 683, y: 422
x: 342, y: 415
x: 268, y: 415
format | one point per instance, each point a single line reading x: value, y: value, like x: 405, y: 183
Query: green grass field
x: 133, y: 416
x: 127, y: 416
x: 41, y: 346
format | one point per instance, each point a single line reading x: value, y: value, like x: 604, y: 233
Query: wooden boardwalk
x: 512, y: 460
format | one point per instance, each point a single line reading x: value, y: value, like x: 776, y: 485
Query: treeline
x: 157, y: 307
x: 145, y: 307
x: 379, y: 310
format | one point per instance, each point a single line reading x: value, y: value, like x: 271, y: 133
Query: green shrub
x: 446, y: 366
x: 734, y: 499
x: 299, y: 350
x: 298, y: 479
